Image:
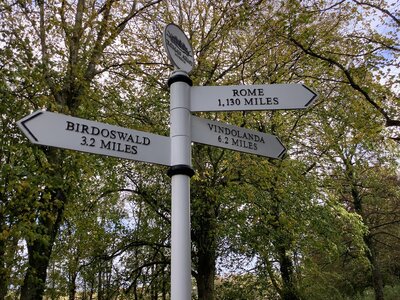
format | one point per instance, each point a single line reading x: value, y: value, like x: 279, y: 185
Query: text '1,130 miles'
x: 248, y: 101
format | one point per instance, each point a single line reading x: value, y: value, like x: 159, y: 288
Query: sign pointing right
x: 227, y: 136
x: 251, y: 97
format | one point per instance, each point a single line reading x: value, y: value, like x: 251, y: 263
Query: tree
x: 105, y: 61
x: 12, y: 185
x: 357, y: 157
x: 59, y: 62
x: 353, y: 59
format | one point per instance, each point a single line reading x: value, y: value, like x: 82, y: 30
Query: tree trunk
x: 135, y: 292
x: 282, y: 246
x: 35, y: 277
x: 4, y: 274
x: 100, y: 285
x: 286, y: 269
x: 204, y: 238
x: 39, y: 250
x: 164, y: 285
x: 92, y: 288
x: 206, y: 275
x: 377, y: 280
x: 72, y: 286
x: 3, y: 271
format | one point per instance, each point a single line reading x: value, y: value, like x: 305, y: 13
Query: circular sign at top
x: 178, y: 48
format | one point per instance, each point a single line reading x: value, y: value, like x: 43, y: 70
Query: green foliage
x: 316, y: 225
x: 243, y: 287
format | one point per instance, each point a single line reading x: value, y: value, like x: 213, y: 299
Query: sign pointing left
x: 62, y: 131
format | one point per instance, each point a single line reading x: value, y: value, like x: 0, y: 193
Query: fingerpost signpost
x: 57, y: 130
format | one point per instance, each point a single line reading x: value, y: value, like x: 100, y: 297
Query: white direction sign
x: 62, y: 131
x: 178, y: 48
x: 236, y: 138
x: 251, y: 97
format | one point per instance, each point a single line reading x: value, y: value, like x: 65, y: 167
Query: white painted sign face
x: 236, y: 138
x: 178, y: 48
x: 251, y: 97
x: 62, y: 131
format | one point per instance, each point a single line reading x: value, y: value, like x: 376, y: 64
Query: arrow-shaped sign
x: 236, y: 138
x: 57, y: 130
x: 251, y: 97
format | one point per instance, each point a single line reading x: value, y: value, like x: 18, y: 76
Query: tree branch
x: 389, y: 121
x: 385, y: 224
x: 383, y: 10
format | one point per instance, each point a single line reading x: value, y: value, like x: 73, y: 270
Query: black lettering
x: 122, y: 135
x: 249, y: 92
x: 85, y: 129
x: 259, y: 139
x: 127, y: 148
x: 119, y: 147
x: 146, y: 141
x: 105, y: 133
x: 248, y: 101
x: 104, y: 145
x: 243, y: 144
x: 235, y: 142
x: 130, y: 149
x: 133, y: 150
x: 70, y: 126
x: 130, y: 139
x: 95, y: 131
